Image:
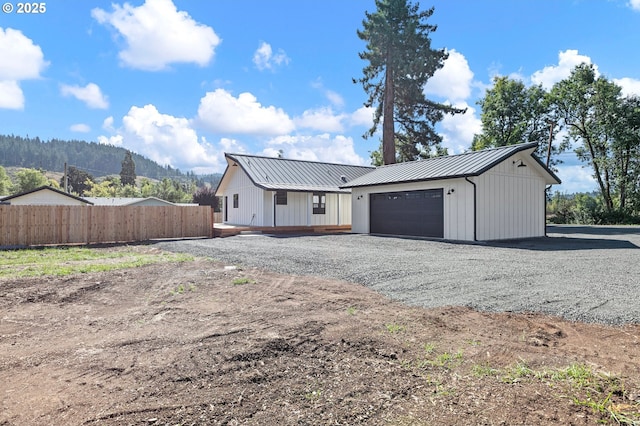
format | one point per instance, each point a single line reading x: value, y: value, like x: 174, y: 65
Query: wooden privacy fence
x: 43, y: 225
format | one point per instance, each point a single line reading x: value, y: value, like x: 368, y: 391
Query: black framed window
x: 319, y: 202
x: 281, y: 198
x: 235, y: 201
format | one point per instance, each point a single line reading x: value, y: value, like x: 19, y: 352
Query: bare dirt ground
x: 197, y: 344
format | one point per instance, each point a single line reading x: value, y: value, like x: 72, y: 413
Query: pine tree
x: 400, y: 61
x: 128, y: 172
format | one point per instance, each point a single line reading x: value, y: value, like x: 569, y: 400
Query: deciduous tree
x: 513, y: 113
x: 29, y: 179
x: 5, y: 182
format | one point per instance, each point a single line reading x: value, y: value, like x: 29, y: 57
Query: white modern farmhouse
x: 277, y: 192
x: 493, y: 194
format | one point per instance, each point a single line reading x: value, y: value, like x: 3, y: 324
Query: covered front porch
x: 226, y: 230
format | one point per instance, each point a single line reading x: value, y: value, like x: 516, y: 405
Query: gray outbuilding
x: 492, y: 194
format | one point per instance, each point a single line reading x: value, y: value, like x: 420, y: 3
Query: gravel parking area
x: 581, y: 273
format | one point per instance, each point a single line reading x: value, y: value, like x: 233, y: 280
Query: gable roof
x: 274, y: 174
x: 124, y: 201
x: 448, y: 167
x: 45, y: 188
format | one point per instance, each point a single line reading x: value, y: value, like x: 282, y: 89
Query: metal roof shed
x: 491, y: 194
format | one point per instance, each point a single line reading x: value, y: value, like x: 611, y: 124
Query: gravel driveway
x: 581, y: 273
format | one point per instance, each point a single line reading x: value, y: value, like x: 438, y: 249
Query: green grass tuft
x: 76, y: 260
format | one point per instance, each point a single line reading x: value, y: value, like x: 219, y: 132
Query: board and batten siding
x: 510, y: 201
x: 299, y: 210
x: 256, y: 206
x: 250, y: 200
x: 458, y: 205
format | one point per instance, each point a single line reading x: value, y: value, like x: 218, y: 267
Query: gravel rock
x: 581, y: 273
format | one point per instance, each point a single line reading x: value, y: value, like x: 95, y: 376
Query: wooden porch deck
x: 223, y: 230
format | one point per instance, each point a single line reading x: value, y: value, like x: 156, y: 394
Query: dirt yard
x: 196, y: 343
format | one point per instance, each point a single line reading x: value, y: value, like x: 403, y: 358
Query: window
x: 235, y: 201
x: 281, y: 198
x: 319, y: 200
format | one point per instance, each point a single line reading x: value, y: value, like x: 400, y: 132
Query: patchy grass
x: 182, y: 288
x: 77, y: 260
x: 394, y: 328
x: 242, y: 281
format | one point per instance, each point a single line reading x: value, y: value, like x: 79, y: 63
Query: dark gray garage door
x: 419, y: 213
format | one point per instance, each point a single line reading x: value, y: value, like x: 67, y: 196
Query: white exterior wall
x: 255, y: 205
x: 45, y: 198
x: 250, y: 200
x: 511, y: 201
x: 458, y: 205
x: 299, y: 210
x: 345, y: 209
x: 295, y: 212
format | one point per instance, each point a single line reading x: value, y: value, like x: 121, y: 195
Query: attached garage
x: 493, y: 194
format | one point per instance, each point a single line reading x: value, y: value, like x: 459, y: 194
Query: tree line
x: 593, y: 117
x: 126, y: 184
x: 587, y: 109
x: 99, y: 159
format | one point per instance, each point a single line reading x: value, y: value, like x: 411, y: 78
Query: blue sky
x: 182, y: 82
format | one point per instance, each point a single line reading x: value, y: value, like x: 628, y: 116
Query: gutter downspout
x: 475, y: 208
x: 545, y: 209
x: 275, y: 194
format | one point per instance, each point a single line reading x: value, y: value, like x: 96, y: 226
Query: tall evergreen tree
x: 400, y: 61
x: 79, y: 181
x: 128, y: 172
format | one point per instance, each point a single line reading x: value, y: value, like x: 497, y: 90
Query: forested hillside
x: 94, y: 158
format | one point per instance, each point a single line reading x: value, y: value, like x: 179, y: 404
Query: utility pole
x: 551, y: 124
x: 66, y: 179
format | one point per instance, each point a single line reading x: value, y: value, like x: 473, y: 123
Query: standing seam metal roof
x: 452, y: 166
x: 297, y: 175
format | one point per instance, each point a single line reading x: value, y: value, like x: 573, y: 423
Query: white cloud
x: 166, y: 139
x: 575, y: 178
x: 232, y: 146
x: 91, y: 95
x: 107, y: 124
x: 21, y: 60
x: 629, y: 86
x: 156, y: 34
x: 322, y: 119
x: 457, y: 131
x: 363, y: 116
x: 220, y: 112
x: 80, y: 128
x: 338, y: 149
x: 634, y: 4
x: 116, y: 140
x: 453, y: 81
x: 335, y: 98
x: 567, y: 61
x: 265, y: 59
x: 11, y: 96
